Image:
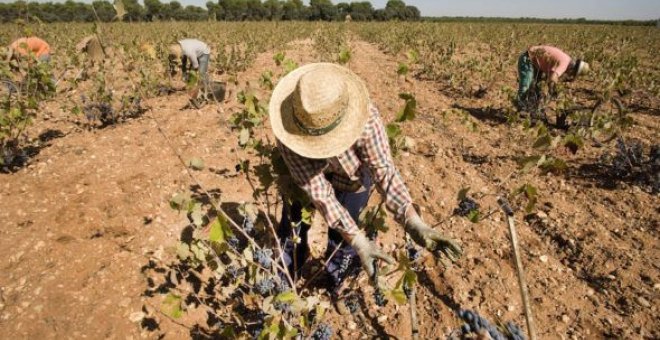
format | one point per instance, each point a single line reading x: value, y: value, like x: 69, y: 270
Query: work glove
x: 431, y: 239
x: 369, y: 253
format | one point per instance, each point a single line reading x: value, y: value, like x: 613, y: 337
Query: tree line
x: 230, y: 10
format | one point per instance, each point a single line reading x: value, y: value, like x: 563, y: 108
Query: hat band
x: 319, y: 131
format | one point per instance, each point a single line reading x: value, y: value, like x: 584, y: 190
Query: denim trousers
x: 345, y: 261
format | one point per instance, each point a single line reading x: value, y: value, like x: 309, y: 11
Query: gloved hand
x: 431, y: 239
x: 369, y: 253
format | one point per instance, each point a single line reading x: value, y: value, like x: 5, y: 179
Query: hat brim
x: 329, y: 144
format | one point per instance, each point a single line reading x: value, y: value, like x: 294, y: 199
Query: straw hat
x: 582, y: 68
x: 319, y: 110
x: 175, y: 51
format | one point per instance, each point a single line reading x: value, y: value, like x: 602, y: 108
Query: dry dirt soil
x: 87, y: 212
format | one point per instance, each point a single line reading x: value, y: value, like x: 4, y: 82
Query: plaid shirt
x: 371, y: 150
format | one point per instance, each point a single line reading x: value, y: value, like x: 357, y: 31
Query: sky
x: 590, y: 9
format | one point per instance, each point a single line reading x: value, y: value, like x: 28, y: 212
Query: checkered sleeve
x: 308, y: 174
x: 377, y: 154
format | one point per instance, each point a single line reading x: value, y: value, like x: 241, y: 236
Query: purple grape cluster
x: 379, y: 298
x: 263, y: 257
x: 465, y: 206
x: 283, y: 307
x: 412, y: 251
x: 234, y: 242
x: 352, y: 304
x: 475, y: 323
x: 248, y: 224
x: 263, y: 287
x: 323, y: 332
x: 234, y: 272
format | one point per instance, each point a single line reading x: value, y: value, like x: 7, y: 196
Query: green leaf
x: 183, y: 251
x: 528, y: 163
x: 409, y: 109
x: 244, y: 137
x: 172, y: 306
x: 462, y: 194
x: 179, y: 201
x: 220, y: 229
x: 554, y: 165
x: 344, y: 56
x: 542, y: 142
x: 393, y: 130
x: 473, y: 216
x: 287, y: 297
x: 573, y: 143
x: 413, y: 56
x: 307, y: 215
x: 399, y: 296
x: 402, y: 70
x: 196, y: 164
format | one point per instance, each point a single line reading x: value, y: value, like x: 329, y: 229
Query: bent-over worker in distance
x: 195, y: 51
x: 549, y: 62
x: 334, y: 143
x: 24, y: 47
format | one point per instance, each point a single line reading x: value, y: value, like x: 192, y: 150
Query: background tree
x: 153, y: 9
x: 104, y: 10
x: 362, y: 11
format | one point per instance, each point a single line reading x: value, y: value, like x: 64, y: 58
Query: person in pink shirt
x: 549, y: 62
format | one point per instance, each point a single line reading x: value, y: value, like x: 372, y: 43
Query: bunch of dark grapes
x: 379, y: 297
x: 282, y: 286
x: 234, y: 242
x: 352, y: 304
x: 627, y: 157
x: 465, y: 206
x: 283, y: 307
x: 263, y: 257
x: 248, y: 223
x: 234, y: 272
x: 263, y: 287
x: 323, y: 332
x: 412, y: 251
x: 514, y: 332
x: 475, y: 323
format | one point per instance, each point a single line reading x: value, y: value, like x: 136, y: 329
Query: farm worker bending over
x: 24, y: 47
x: 547, y: 61
x: 334, y: 143
x: 197, y: 52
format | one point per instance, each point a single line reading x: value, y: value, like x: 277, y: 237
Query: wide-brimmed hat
x: 582, y: 68
x: 174, y: 50
x: 319, y: 110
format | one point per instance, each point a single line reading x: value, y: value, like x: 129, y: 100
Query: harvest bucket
x: 217, y: 92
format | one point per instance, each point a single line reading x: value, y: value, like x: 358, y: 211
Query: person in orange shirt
x: 25, y: 47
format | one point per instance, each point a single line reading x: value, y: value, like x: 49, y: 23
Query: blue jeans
x: 526, y: 75
x: 354, y: 202
x: 203, y: 63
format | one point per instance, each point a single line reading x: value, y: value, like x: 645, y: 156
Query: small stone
x: 382, y: 318
x: 137, y: 316
x: 565, y: 318
x: 544, y: 258
x: 124, y: 302
x: 590, y: 292
x: 643, y: 302
x: 352, y: 325
x: 542, y: 215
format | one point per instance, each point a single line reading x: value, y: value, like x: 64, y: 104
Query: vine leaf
x: 220, y: 230
x: 172, y: 306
